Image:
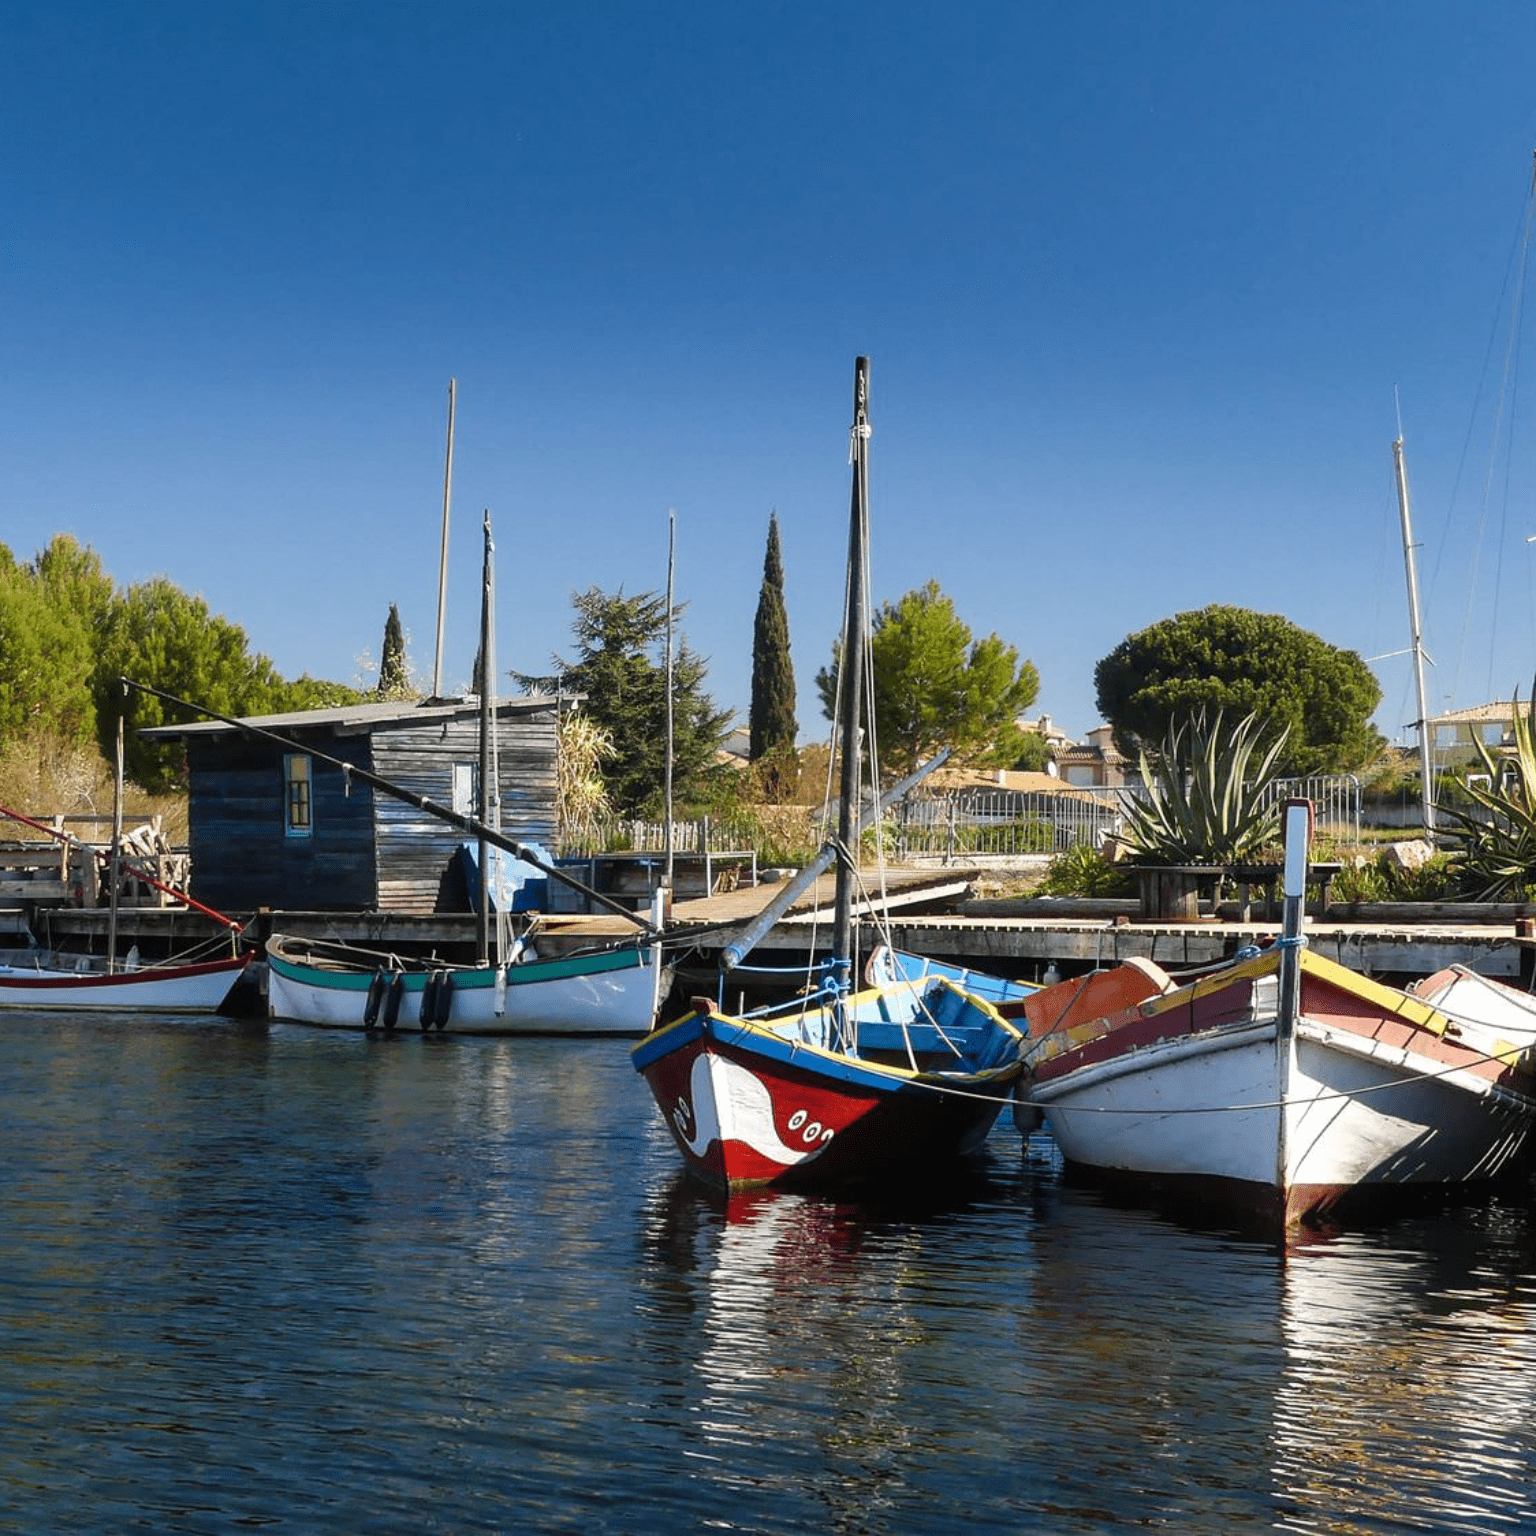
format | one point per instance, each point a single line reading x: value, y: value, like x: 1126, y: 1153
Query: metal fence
x: 980, y: 823
x: 707, y: 834
x: 999, y: 823
x: 1336, y: 802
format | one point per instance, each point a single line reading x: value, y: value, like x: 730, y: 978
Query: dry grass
x: 44, y: 779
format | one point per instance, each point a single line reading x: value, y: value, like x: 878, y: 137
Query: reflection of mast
x: 1426, y: 777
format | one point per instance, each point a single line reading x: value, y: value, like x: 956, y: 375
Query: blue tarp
x: 516, y: 885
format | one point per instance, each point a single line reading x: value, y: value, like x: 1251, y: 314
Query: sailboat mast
x: 851, y: 712
x: 115, y: 864
x: 442, y: 564
x: 487, y: 672
x: 671, y: 685
x: 1426, y: 775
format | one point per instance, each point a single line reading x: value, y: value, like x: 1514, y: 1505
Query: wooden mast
x: 851, y: 711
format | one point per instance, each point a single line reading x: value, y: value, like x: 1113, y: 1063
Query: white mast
x: 1426, y: 775
x: 442, y: 566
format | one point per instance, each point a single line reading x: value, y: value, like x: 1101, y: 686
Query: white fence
x: 982, y: 823
x: 999, y: 823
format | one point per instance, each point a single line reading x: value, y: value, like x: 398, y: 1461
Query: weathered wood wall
x: 367, y: 851
x: 415, y: 850
x: 241, y: 857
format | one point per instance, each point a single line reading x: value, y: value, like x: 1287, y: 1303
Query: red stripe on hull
x: 800, y: 1129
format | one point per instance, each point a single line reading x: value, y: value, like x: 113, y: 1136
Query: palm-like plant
x: 1207, y: 800
x: 1494, y: 854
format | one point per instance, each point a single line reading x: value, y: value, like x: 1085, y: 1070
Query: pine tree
x: 624, y: 686
x: 772, y: 724
x: 394, y: 683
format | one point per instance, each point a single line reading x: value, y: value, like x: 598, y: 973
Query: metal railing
x: 1001, y: 823
x: 978, y: 823
x: 1336, y: 802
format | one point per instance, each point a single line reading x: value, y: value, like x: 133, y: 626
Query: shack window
x: 298, y: 810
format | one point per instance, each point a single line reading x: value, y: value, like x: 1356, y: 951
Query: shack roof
x: 359, y: 719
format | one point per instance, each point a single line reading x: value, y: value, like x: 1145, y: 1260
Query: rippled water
x: 257, y: 1276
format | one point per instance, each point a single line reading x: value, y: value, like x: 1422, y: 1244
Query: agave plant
x: 1207, y: 800
x: 1494, y: 853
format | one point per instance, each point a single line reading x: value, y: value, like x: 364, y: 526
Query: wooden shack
x: 275, y: 826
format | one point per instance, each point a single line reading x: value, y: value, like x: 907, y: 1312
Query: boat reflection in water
x: 1034, y: 1355
x: 1408, y: 1390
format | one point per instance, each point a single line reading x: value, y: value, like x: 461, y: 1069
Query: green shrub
x: 1084, y: 871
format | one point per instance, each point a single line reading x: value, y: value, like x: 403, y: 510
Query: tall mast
x: 442, y: 564
x: 671, y: 684
x: 488, y: 789
x: 1426, y: 776
x: 851, y: 713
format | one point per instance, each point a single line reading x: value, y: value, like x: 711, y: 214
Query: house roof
x: 1091, y: 754
x: 1017, y: 781
x: 357, y: 719
x: 1478, y: 714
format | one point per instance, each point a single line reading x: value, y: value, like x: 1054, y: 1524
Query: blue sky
x: 1138, y: 282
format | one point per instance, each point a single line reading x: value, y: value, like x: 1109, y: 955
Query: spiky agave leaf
x: 1206, y: 800
x: 1495, y: 858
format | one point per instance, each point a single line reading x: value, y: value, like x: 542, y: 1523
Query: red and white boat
x: 893, y: 1080
x: 41, y: 978
x: 839, y: 1089
x: 1282, y: 1082
x: 170, y: 988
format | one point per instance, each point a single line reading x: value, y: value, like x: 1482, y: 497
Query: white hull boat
x: 1209, y: 1090
x: 199, y: 988
x: 611, y: 992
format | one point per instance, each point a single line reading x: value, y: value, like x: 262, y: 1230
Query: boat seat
x: 953, y: 1028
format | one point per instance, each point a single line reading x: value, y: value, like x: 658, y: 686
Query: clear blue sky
x: 1138, y: 282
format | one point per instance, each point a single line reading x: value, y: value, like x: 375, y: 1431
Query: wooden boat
x: 607, y: 992
x: 50, y: 982
x: 1281, y: 1083
x: 201, y: 983
x: 888, y: 966
x: 613, y: 991
x: 847, y: 1088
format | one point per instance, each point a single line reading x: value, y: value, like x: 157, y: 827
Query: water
x: 260, y: 1277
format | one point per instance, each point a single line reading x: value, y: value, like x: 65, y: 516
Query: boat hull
x: 613, y: 993
x: 749, y: 1107
x: 164, y: 989
x: 1197, y: 1093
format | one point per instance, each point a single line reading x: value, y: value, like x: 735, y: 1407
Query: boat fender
x: 428, y: 1000
x: 444, y: 999
x: 1027, y: 1117
x: 392, y: 1000
x: 376, y: 990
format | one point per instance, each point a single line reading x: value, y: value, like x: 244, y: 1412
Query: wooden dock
x: 930, y: 912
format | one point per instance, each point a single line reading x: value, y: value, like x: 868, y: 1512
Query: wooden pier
x: 930, y: 912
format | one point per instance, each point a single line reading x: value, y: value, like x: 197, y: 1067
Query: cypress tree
x: 772, y: 724
x: 393, y: 682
